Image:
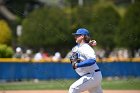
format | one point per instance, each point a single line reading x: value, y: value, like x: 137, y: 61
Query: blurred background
x: 35, y: 37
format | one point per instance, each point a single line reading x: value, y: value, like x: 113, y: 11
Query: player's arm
x: 85, y: 63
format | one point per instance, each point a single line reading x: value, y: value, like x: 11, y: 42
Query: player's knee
x: 73, y: 90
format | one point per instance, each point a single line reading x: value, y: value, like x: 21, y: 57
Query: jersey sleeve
x: 89, y: 54
x: 86, y: 63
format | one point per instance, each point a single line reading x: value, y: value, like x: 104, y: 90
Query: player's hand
x: 74, y: 65
x: 92, y: 43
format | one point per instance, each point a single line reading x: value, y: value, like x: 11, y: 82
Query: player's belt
x: 90, y: 73
x: 97, y: 70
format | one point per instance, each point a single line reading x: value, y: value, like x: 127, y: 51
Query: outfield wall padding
x: 51, y: 70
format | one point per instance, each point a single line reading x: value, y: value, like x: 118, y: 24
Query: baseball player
x: 83, y: 60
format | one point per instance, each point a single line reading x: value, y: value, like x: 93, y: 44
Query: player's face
x: 79, y: 38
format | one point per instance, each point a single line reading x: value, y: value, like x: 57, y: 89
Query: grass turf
x: 120, y: 84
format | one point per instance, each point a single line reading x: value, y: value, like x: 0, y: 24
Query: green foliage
x: 5, y: 33
x: 105, y: 22
x: 82, y: 17
x: 46, y: 27
x: 128, y: 31
x: 51, y: 27
x: 6, y: 51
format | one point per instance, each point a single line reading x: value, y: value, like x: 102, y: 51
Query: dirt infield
x: 64, y: 91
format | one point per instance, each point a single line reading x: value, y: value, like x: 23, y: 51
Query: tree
x: 128, y: 34
x: 6, y: 51
x: 48, y: 27
x: 5, y: 33
x: 82, y: 17
x: 105, y: 22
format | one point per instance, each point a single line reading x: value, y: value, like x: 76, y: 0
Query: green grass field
x: 121, y: 84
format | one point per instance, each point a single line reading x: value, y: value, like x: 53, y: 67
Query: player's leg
x: 96, y: 86
x: 96, y: 90
x: 84, y: 83
x: 80, y: 85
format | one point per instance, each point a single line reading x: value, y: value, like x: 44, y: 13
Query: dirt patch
x: 65, y: 91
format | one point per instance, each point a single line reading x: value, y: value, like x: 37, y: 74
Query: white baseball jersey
x: 85, y: 52
x: 91, y: 76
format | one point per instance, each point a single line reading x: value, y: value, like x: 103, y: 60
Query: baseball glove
x: 74, y: 59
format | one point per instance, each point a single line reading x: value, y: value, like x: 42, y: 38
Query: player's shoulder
x: 86, y: 45
x: 75, y: 48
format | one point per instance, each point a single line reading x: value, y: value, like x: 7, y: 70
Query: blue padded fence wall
x: 16, y: 70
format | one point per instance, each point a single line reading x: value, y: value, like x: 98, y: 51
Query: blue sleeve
x: 87, y: 62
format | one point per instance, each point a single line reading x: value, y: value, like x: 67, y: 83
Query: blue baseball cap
x: 81, y: 31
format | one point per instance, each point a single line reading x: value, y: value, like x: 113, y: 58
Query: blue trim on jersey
x: 87, y: 62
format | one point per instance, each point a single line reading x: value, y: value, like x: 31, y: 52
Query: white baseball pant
x: 89, y: 82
